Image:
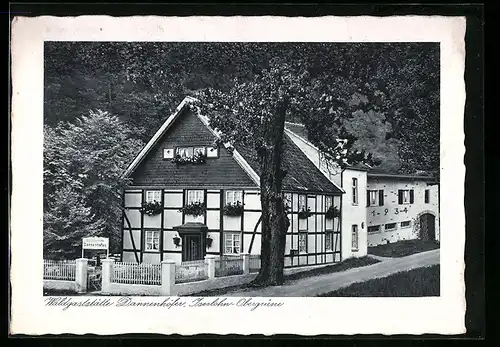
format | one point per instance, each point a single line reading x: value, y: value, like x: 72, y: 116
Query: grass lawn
x: 403, y: 248
x: 413, y: 283
x: 345, y: 265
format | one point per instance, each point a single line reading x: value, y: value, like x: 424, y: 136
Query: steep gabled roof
x: 302, y: 174
x: 163, y: 129
x: 299, y: 131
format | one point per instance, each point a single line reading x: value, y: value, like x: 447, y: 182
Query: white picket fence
x: 228, y: 266
x: 254, y: 262
x: 133, y: 273
x: 191, y: 271
x: 59, y: 270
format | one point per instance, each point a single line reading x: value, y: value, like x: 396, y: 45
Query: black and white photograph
x: 239, y: 173
x: 241, y: 169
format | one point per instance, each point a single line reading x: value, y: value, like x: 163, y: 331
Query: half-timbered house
x: 189, y: 198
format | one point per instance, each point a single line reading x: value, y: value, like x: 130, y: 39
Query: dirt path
x: 313, y: 286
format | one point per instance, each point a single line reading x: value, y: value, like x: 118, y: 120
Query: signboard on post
x: 95, y: 243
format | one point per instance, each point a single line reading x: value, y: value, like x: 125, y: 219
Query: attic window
x: 184, y: 152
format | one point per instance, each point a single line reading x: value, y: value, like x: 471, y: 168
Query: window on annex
x: 405, y: 196
x: 354, y: 191
x: 329, y: 241
x: 354, y: 239
x: 390, y: 226
x: 406, y: 224
x: 153, y: 195
x: 375, y: 197
x: 232, y: 243
x: 233, y: 196
x: 373, y: 229
x: 426, y: 196
x: 152, y: 240
x: 302, y: 242
x: 194, y: 196
x: 328, y: 202
x: 302, y: 202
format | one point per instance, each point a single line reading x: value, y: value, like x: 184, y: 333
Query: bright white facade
x: 353, y: 209
x: 401, y: 207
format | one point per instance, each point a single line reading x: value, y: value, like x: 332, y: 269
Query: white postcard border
x: 303, y: 316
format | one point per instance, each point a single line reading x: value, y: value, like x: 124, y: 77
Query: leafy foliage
x: 194, y: 209
x: 142, y: 83
x: 151, y: 208
x: 332, y: 212
x: 233, y: 209
x: 83, y: 163
x: 304, y: 213
x: 197, y: 158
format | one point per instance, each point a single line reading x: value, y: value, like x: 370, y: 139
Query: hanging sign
x: 95, y: 243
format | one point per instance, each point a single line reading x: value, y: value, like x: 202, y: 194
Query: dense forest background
x: 104, y: 100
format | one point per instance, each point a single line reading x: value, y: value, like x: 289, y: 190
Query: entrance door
x: 94, y: 280
x: 427, y: 227
x: 192, y: 248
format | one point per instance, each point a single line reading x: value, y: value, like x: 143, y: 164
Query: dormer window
x: 185, y: 152
x: 199, y: 151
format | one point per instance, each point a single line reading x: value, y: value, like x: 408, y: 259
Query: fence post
x: 167, y: 277
x: 107, y: 272
x: 210, y: 261
x: 81, y: 275
x: 246, y: 263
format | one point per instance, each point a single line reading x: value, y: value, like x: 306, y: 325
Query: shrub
x: 233, y: 209
x: 194, y: 209
x: 151, y: 208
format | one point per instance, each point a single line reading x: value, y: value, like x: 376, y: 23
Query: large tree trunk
x: 274, y: 219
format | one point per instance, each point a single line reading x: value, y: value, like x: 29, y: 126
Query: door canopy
x: 190, y: 228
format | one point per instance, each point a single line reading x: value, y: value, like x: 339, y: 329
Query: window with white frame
x: 390, y: 226
x: 329, y: 241
x: 194, y: 196
x: 232, y: 243
x: 233, y: 196
x: 354, y: 191
x: 199, y: 151
x: 328, y: 202
x: 288, y: 200
x: 406, y: 224
x: 184, y: 151
x: 152, y: 240
x: 302, y: 242
x: 405, y: 196
x: 153, y: 195
x: 354, y: 239
x: 302, y: 202
x: 374, y: 228
x: 373, y: 196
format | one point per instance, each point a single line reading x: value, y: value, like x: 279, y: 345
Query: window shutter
x: 400, y: 197
x: 411, y: 196
x: 367, y: 198
x: 381, y: 197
